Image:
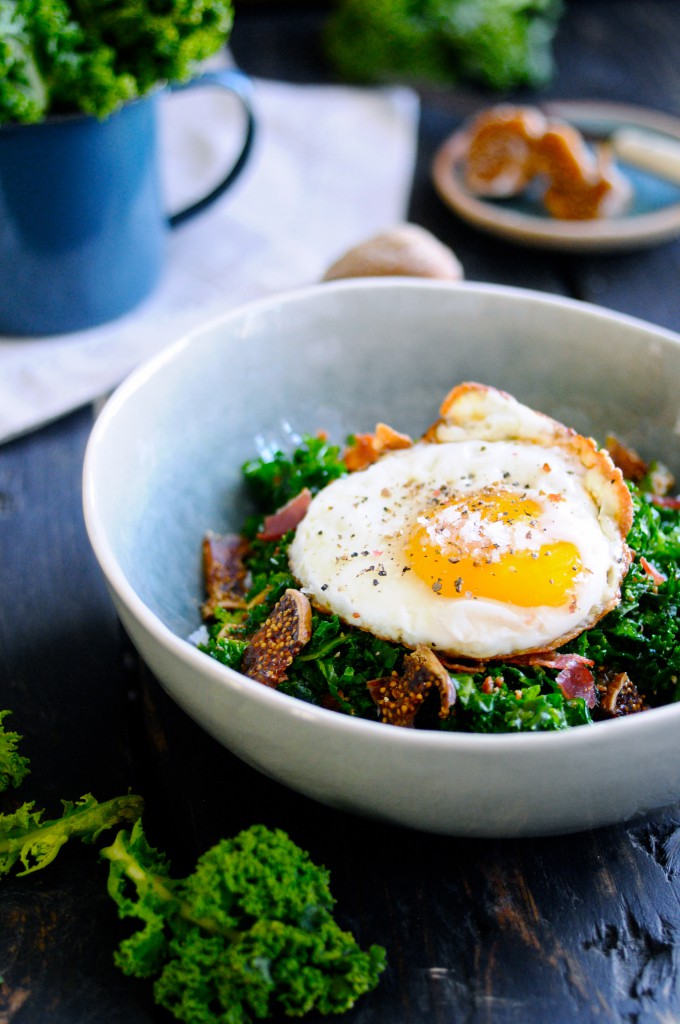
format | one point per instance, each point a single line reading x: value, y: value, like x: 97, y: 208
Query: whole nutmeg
x: 404, y: 251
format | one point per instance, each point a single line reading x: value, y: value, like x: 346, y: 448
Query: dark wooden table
x: 583, y: 928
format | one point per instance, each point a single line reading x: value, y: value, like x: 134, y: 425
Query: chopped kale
x: 641, y: 636
x: 336, y: 665
x: 275, y: 478
x: 519, y: 702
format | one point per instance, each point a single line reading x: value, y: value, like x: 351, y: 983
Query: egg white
x: 348, y: 552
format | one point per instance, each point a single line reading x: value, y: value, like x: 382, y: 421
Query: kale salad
x: 626, y: 662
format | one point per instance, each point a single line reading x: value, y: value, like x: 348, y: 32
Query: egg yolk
x: 489, y: 545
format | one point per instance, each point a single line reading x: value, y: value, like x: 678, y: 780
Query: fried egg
x: 500, y: 532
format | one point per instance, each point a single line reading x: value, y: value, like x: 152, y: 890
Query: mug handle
x: 239, y: 85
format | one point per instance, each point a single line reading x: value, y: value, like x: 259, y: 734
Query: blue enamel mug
x: 83, y: 229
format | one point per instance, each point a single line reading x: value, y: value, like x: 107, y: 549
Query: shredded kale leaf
x: 523, y: 701
x: 641, y: 636
x: 336, y: 665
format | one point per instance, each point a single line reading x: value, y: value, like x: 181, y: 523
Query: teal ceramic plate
x: 652, y: 218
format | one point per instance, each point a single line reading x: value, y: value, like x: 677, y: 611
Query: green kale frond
x: 276, y: 477
x: 13, y: 766
x: 49, y: 64
x: 157, y: 42
x: 499, y: 43
x: 337, y: 664
x: 520, y: 702
x: 139, y: 884
x: 84, y: 55
x: 28, y: 840
x: 249, y: 931
x: 23, y: 91
x: 641, y: 636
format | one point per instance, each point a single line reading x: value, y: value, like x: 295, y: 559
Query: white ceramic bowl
x: 162, y: 467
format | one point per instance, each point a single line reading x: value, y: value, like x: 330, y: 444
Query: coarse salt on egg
x: 501, y: 532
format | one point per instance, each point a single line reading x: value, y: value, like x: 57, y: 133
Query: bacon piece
x: 286, y: 518
x: 575, y: 678
x: 400, y: 697
x: 618, y: 695
x: 657, y: 577
x: 632, y: 465
x: 672, y: 502
x: 549, y: 659
x: 460, y: 667
x: 224, y: 572
x: 367, y: 447
x: 279, y: 639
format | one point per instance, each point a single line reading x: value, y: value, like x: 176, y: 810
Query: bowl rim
x: 600, y: 734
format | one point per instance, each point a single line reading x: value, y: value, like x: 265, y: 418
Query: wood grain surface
x: 579, y: 929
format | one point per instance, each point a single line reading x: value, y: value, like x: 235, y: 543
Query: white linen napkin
x: 331, y: 166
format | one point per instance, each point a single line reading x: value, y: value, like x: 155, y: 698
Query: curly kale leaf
x: 641, y: 636
x: 84, y: 55
x: 157, y: 42
x: 273, y: 479
x: 500, y: 43
x: 23, y: 90
x: 655, y: 532
x: 150, y: 898
x: 249, y: 931
x: 28, y: 840
x: 49, y: 64
x: 227, y: 649
x: 13, y: 766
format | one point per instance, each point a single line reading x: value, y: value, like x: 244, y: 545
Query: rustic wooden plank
x: 626, y: 52
x: 581, y: 927
x: 62, y: 677
x: 578, y: 928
